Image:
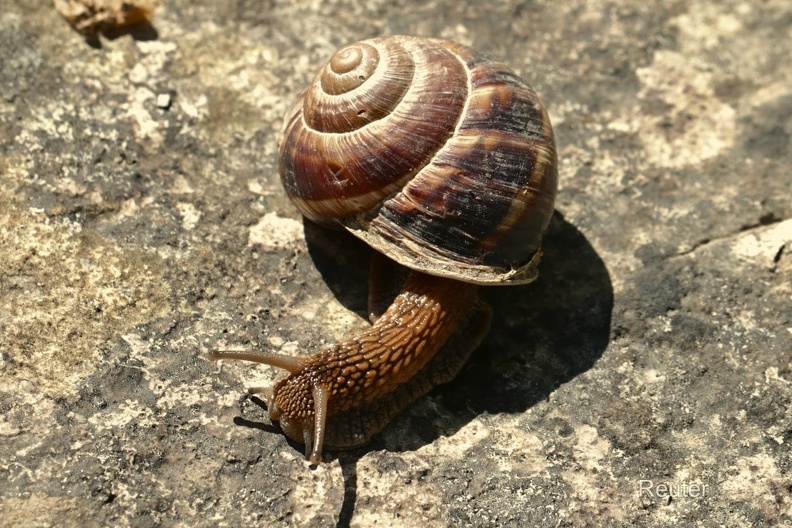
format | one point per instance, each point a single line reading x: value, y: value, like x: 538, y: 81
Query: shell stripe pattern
x: 343, y: 154
x: 460, y: 169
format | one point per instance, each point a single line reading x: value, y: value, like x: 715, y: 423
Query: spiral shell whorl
x: 341, y: 155
x: 357, y: 86
x: 349, y: 68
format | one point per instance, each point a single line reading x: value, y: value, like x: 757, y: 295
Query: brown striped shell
x: 437, y: 156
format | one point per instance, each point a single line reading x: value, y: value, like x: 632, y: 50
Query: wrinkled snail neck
x: 371, y: 364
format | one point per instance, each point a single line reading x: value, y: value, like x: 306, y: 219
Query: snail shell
x: 434, y: 155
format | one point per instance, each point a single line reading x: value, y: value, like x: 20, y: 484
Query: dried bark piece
x: 90, y: 17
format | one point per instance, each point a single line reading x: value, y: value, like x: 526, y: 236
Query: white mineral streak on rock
x: 275, y: 232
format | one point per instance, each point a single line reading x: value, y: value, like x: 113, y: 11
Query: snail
x: 444, y: 162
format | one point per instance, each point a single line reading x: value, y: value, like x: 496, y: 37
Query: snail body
x: 444, y: 161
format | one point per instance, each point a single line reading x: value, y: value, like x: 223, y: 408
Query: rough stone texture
x: 142, y: 224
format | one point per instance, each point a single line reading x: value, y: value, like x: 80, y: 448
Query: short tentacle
x: 320, y: 397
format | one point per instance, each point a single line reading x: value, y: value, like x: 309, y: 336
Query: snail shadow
x: 543, y: 334
x: 343, y: 262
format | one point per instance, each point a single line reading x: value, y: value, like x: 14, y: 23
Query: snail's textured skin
x: 442, y: 160
x: 355, y: 426
x: 373, y: 368
x: 423, y: 339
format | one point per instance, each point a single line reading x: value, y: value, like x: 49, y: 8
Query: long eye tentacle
x: 289, y: 363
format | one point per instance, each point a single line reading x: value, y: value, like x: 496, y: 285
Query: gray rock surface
x: 645, y: 379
